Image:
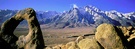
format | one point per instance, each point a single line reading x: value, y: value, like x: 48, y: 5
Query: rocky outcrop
x: 34, y: 39
x: 4, y: 44
x: 110, y: 37
x: 107, y: 36
x: 89, y: 44
x: 79, y: 38
x: 129, y: 33
x: 80, y: 43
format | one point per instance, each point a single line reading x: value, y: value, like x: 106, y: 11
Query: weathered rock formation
x: 79, y: 38
x: 110, y: 37
x: 34, y: 39
x: 107, y: 36
x: 89, y: 44
x: 129, y: 33
x: 82, y: 43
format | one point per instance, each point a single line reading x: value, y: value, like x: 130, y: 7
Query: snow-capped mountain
x: 91, y: 16
x: 78, y: 17
x: 5, y: 14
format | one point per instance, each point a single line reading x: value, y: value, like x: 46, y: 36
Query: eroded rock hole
x: 21, y: 29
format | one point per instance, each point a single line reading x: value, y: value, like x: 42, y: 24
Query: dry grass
x: 58, y: 36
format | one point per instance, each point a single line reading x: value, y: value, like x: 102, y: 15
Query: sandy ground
x: 59, y: 36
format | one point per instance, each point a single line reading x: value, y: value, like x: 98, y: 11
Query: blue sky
x: 124, y: 6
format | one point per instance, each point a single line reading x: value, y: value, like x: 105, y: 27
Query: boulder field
x: 107, y: 36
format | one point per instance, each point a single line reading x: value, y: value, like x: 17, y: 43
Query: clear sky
x: 65, y: 5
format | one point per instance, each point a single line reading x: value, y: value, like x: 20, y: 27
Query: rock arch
x: 33, y: 40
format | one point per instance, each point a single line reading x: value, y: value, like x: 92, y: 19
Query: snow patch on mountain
x: 78, y: 17
x: 75, y: 6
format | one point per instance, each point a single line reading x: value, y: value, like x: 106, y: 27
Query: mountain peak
x: 79, y: 16
x: 113, y: 11
x: 87, y: 8
x: 75, y: 6
x: 91, y: 8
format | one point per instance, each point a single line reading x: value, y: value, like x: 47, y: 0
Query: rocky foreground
x: 33, y: 40
x: 106, y: 36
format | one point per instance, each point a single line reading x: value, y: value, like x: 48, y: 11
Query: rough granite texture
x: 33, y: 40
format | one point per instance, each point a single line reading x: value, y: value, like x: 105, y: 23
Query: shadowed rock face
x: 129, y: 33
x: 34, y: 39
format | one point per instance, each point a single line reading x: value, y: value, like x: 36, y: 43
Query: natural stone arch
x: 33, y: 40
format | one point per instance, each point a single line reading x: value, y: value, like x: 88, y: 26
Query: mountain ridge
x: 78, y: 17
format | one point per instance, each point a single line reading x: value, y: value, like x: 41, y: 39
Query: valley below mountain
x: 54, y: 37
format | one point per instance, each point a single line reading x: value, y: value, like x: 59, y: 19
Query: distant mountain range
x: 77, y: 17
